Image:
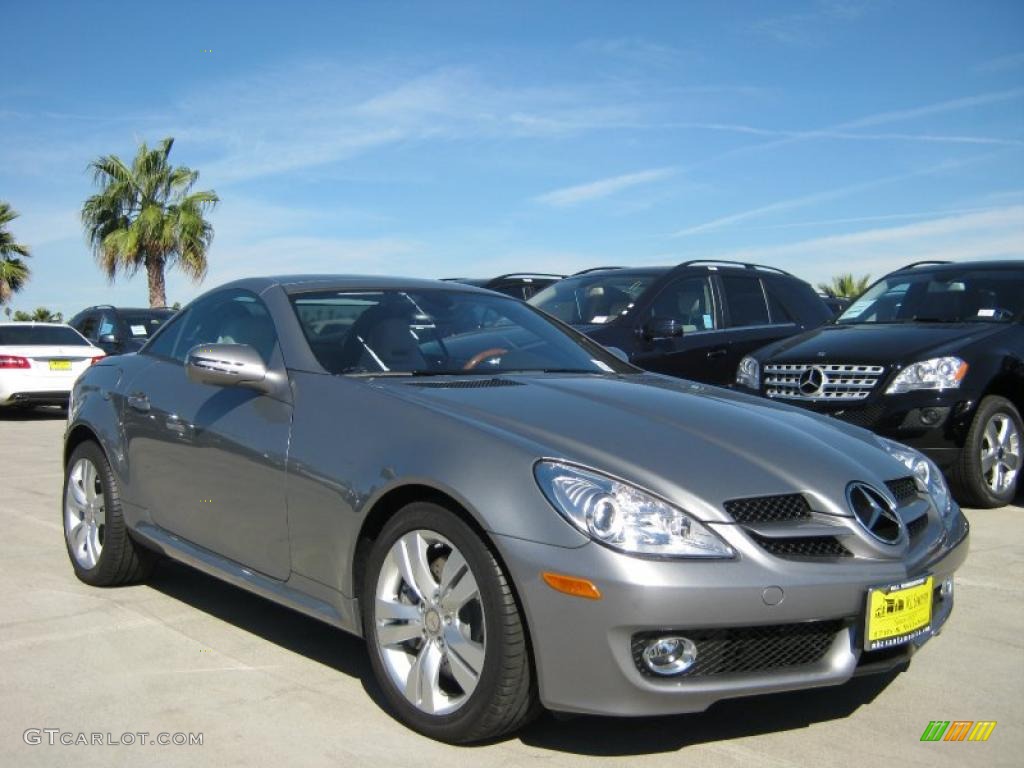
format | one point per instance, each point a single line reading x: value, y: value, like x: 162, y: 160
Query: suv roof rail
x: 593, y: 269
x: 744, y: 264
x: 526, y: 274
x: 913, y: 264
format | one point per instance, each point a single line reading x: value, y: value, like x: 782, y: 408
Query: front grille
x: 466, y: 384
x: 904, y: 489
x: 916, y: 527
x: 831, y: 382
x: 769, y: 509
x: 749, y: 649
x: 866, y: 417
x: 801, y: 546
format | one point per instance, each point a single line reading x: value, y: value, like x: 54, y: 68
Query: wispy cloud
x: 1002, y: 63
x: 595, y: 190
x: 804, y: 28
x: 848, y: 135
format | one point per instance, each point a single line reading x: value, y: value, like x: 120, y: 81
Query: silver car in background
x: 510, y: 515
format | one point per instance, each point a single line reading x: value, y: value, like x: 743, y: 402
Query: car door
x: 690, y: 301
x: 208, y: 462
x: 750, y: 324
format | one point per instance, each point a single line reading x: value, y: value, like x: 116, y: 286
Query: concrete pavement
x: 265, y: 686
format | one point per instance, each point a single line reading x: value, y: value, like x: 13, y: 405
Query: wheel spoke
x: 1012, y: 461
x: 398, y: 633
x: 77, y: 536
x: 454, y: 569
x: 77, y: 491
x: 461, y: 593
x: 89, y: 481
x: 422, y: 688
x: 464, y: 676
x: 90, y: 545
x: 470, y: 654
x: 392, y: 610
x: 412, y: 564
x: 988, y: 460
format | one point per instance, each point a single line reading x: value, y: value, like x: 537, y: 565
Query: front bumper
x: 582, y: 648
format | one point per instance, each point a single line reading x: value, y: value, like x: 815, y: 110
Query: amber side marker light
x: 570, y: 585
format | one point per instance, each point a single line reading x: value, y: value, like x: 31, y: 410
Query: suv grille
x: 904, y: 489
x: 768, y: 509
x: 750, y: 649
x: 832, y: 382
x: 801, y: 546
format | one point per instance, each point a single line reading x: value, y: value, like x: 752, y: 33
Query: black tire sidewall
x: 456, y: 726
x: 989, y: 407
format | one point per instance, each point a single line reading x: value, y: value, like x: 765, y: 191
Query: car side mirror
x: 226, y: 365
x: 662, y: 328
x: 108, y: 338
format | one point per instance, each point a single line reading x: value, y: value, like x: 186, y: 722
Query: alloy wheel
x: 85, y: 514
x: 1000, y: 453
x: 429, y: 622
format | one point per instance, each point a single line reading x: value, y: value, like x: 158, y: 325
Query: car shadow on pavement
x: 584, y: 735
x: 39, y: 413
x: 282, y: 626
x: 731, y: 719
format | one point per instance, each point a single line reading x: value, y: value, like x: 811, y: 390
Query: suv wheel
x: 101, y: 550
x: 989, y: 467
x: 445, y: 636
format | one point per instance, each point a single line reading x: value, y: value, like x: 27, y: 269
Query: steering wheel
x: 479, y: 357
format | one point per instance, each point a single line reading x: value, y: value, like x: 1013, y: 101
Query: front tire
x: 446, y: 640
x: 101, y: 550
x: 988, y: 470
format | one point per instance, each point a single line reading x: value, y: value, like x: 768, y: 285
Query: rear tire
x: 446, y: 639
x: 987, y: 472
x: 101, y: 550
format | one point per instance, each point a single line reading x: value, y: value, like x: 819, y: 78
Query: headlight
x: 928, y: 475
x: 624, y: 517
x: 748, y: 374
x: 937, y: 373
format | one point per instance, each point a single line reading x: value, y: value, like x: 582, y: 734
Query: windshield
x: 141, y: 325
x: 437, y: 332
x: 592, y: 299
x: 986, y: 296
x: 42, y: 335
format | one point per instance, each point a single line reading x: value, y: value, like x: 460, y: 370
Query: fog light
x: 946, y: 590
x: 930, y: 416
x: 669, y: 655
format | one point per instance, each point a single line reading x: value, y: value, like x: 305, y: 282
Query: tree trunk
x: 155, y: 274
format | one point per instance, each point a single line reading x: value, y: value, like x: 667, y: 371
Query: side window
x: 688, y: 302
x: 745, y: 300
x: 779, y: 314
x: 87, y: 326
x: 162, y: 344
x: 106, y: 323
x: 232, y: 317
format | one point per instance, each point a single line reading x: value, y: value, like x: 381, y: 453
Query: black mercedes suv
x: 695, y: 320
x: 931, y: 355
x: 520, y: 285
x: 117, y: 330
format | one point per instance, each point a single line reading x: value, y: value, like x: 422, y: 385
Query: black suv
x: 117, y: 330
x: 521, y: 285
x: 695, y: 320
x: 931, y: 355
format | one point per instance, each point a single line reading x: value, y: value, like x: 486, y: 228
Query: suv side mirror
x: 662, y: 328
x: 226, y: 365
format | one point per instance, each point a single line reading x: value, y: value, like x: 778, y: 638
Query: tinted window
x: 593, y: 299
x: 162, y: 345
x: 87, y: 325
x: 106, y: 325
x: 780, y: 315
x: 688, y: 302
x: 235, y: 317
x: 142, y: 325
x: 24, y: 335
x: 941, y: 296
x: 745, y: 300
x: 436, y: 332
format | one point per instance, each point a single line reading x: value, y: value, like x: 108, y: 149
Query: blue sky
x: 474, y: 138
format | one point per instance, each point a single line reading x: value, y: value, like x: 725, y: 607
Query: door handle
x: 717, y: 353
x: 139, y: 402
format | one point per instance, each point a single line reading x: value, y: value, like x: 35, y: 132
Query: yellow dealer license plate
x: 60, y: 365
x: 898, y: 613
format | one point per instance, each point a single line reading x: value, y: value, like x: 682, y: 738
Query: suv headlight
x: 623, y: 517
x: 748, y: 374
x: 928, y: 475
x: 937, y: 373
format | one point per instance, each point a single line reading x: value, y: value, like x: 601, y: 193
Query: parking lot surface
x: 186, y: 654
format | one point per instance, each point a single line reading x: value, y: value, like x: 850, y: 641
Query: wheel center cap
x: 432, y: 621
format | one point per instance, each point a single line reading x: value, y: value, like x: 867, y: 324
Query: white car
x: 39, y: 362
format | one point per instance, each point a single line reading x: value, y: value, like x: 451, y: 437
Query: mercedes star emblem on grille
x: 812, y: 381
x: 875, y: 512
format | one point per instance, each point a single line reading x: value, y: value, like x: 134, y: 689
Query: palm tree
x: 41, y: 315
x: 845, y: 286
x: 148, y: 216
x: 14, y: 272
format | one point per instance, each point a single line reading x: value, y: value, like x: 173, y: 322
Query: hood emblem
x: 812, y: 381
x: 875, y: 512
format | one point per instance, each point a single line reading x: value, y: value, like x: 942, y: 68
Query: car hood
x: 693, y: 444
x: 880, y: 344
